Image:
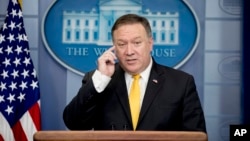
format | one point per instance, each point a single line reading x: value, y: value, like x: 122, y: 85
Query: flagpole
x: 21, y: 3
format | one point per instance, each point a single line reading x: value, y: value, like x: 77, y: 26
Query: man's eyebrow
x: 132, y: 39
x: 137, y: 38
x: 120, y: 40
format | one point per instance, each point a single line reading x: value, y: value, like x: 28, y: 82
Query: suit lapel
x: 155, y: 82
x: 121, y: 91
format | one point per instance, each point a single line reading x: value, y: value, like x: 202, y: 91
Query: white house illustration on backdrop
x: 94, y: 27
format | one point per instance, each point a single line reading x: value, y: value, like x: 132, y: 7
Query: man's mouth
x: 130, y: 61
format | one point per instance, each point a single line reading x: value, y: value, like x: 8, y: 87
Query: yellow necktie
x: 134, y: 100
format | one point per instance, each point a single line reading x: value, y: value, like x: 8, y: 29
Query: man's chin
x: 131, y: 70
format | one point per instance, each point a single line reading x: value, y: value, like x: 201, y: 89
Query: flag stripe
x: 25, y: 121
x: 35, y: 114
x: 19, y: 134
x: 1, y: 138
x: 5, y: 129
x: 28, y: 126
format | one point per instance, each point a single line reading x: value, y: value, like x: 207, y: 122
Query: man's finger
x: 110, y: 51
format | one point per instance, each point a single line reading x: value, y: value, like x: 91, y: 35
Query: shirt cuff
x: 100, y: 81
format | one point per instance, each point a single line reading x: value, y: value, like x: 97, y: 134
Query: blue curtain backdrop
x: 246, y: 63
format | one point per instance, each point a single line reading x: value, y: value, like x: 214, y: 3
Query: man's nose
x: 130, y: 49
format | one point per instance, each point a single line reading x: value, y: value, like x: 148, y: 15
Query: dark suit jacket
x: 171, y: 103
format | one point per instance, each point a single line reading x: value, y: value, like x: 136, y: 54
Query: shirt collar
x: 146, y: 72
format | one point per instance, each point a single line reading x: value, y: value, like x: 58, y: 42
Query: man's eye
x: 121, y: 44
x: 137, y: 43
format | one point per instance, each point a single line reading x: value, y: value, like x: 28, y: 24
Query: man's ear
x: 151, y: 43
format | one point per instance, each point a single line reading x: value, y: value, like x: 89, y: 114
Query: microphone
x: 125, y: 127
x: 112, y: 126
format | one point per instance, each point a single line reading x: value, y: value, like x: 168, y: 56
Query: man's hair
x: 132, y: 19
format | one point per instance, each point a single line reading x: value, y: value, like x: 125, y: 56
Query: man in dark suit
x: 168, y: 98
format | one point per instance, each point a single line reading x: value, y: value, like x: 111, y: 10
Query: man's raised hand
x: 106, y: 62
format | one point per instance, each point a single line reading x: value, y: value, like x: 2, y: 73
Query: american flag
x: 19, y: 87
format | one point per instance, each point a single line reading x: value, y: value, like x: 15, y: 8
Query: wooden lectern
x: 119, y: 136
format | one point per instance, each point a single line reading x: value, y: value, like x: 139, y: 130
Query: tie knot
x: 137, y: 76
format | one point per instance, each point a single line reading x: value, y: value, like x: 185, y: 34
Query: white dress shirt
x: 101, y: 81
